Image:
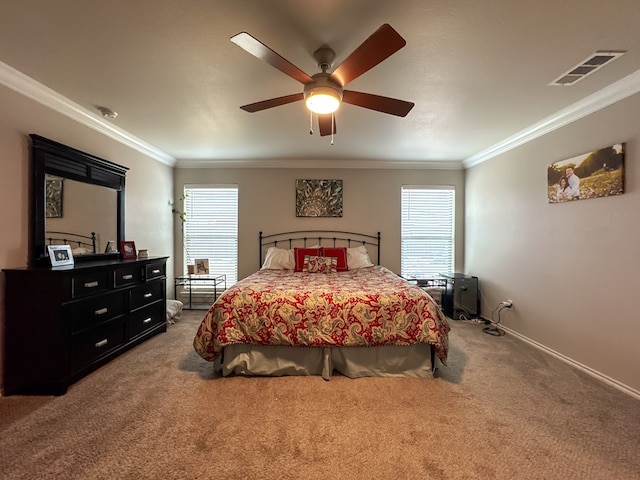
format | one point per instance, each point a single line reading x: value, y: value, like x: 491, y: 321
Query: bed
x: 318, y: 305
x: 80, y: 244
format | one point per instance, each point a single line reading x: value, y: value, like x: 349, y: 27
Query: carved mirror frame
x: 53, y: 158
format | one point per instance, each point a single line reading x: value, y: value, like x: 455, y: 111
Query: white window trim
x: 231, y: 276
x: 423, y: 270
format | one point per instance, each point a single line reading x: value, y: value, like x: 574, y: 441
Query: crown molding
x: 24, y: 85
x: 338, y: 164
x: 42, y: 94
x: 609, y: 95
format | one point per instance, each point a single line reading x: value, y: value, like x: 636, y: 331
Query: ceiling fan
x: 323, y: 92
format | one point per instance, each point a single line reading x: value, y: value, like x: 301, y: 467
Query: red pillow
x: 299, y: 254
x: 340, y: 253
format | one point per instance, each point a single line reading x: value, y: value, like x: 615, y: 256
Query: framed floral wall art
x: 318, y: 198
x: 53, y: 197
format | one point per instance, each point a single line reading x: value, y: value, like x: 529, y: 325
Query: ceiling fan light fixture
x: 324, y: 92
x: 322, y: 100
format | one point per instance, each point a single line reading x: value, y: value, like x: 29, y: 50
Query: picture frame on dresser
x: 111, y: 247
x: 60, y: 255
x: 128, y: 250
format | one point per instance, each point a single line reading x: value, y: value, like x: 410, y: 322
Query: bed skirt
x: 353, y: 362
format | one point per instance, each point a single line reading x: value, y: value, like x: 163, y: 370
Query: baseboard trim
x: 588, y: 370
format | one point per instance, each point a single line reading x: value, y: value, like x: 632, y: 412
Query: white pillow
x: 174, y: 310
x: 278, y: 259
x: 358, y: 257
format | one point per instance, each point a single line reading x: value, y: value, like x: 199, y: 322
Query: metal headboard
x: 73, y: 239
x: 325, y: 238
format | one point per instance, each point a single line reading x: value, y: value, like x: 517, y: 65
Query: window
x: 428, y: 230
x: 211, y: 228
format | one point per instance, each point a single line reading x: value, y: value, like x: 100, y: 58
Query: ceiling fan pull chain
x: 333, y: 116
x: 310, y: 122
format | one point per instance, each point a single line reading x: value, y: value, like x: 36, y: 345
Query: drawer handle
x: 146, y: 320
x: 102, y: 343
x: 91, y: 284
x: 155, y: 271
x: 148, y: 295
x: 127, y: 277
x: 101, y: 311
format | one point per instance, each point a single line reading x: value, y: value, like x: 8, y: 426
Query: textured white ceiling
x: 477, y: 70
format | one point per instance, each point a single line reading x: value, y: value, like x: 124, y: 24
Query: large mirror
x: 77, y: 200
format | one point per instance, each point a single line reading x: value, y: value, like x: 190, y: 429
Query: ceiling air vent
x: 591, y: 64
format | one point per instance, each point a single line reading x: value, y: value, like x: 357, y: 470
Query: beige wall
x: 371, y: 203
x: 571, y: 269
x: 148, y: 219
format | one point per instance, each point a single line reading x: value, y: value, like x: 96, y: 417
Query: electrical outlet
x: 508, y: 303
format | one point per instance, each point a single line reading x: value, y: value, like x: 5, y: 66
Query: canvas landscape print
x: 599, y: 173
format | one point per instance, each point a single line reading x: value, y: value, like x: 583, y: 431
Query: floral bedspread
x: 364, y: 307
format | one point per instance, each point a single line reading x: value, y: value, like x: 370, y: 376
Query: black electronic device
x: 461, y: 298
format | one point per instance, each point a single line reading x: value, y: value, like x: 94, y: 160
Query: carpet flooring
x: 500, y: 410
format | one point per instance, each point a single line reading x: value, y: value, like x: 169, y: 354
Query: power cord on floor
x: 493, y: 328
x: 463, y: 317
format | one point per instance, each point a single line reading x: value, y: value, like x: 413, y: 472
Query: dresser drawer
x: 94, y: 311
x: 147, y: 294
x: 93, y: 344
x: 154, y: 270
x: 146, y: 319
x: 128, y: 275
x: 76, y: 319
x: 89, y: 283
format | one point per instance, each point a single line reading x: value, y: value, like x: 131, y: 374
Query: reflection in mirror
x: 80, y: 214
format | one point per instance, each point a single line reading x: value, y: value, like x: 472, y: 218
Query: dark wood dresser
x: 64, y: 322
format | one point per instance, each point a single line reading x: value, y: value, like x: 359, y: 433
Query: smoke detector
x: 107, y: 112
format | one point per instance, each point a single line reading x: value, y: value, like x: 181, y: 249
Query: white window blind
x: 211, y: 228
x: 428, y: 230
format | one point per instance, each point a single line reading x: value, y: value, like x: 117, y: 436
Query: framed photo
x: 111, y: 247
x: 60, y: 255
x: 202, y: 266
x: 318, y: 198
x: 128, y: 250
x: 595, y: 174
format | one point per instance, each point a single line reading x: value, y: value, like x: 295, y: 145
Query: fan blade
x: 388, y: 105
x: 383, y: 43
x: 273, y: 102
x: 258, y: 49
x: 324, y: 124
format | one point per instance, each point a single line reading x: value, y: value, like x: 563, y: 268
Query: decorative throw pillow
x: 340, y: 253
x: 315, y: 264
x: 300, y: 253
